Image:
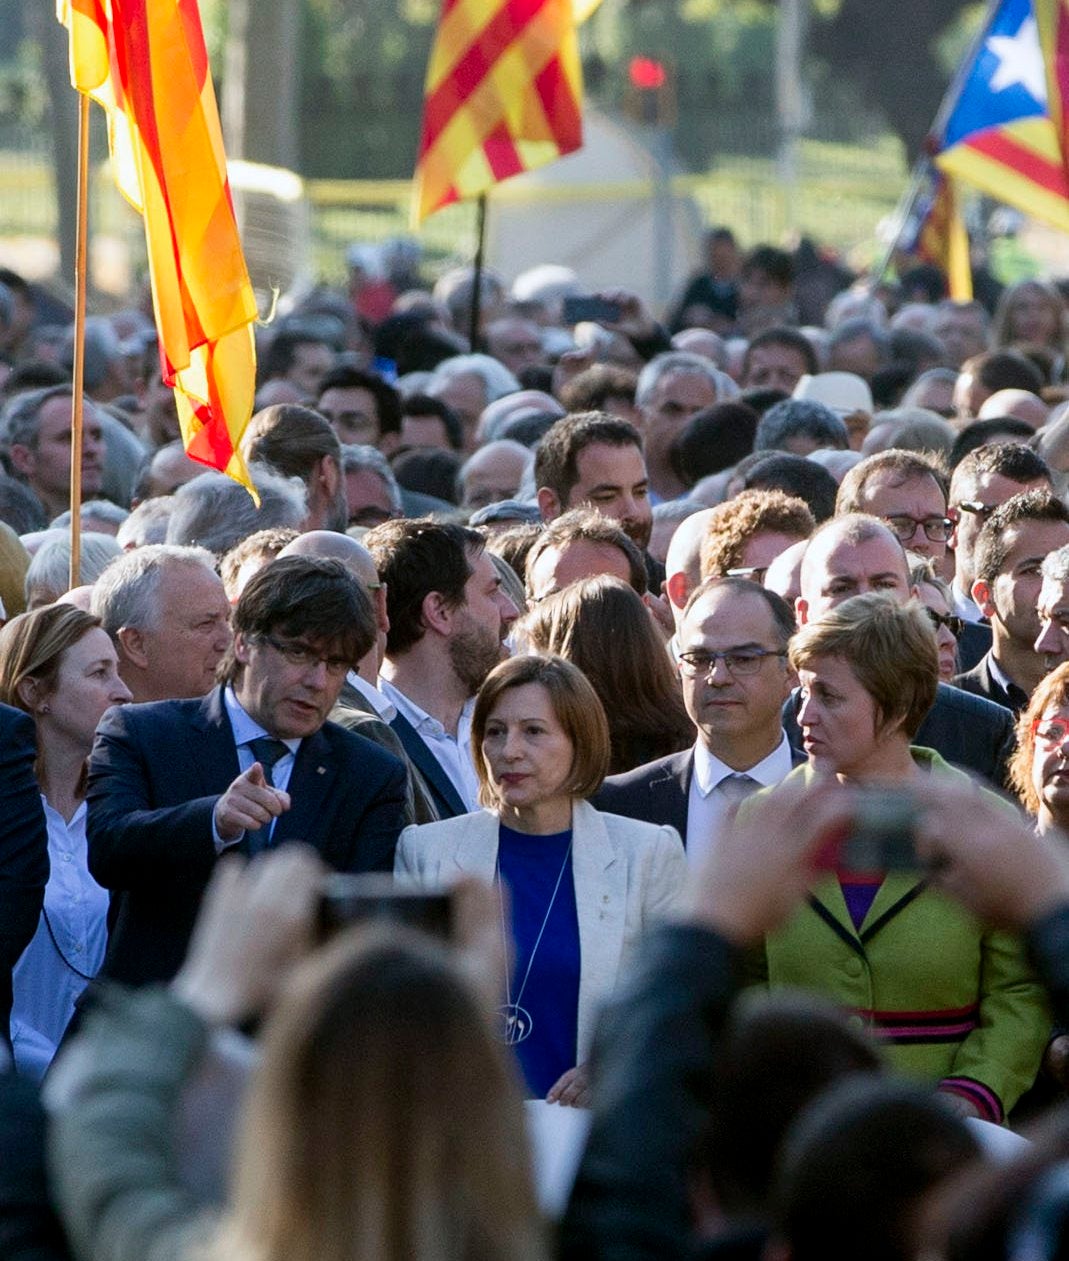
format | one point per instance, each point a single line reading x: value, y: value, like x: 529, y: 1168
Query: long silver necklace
x: 516, y: 1021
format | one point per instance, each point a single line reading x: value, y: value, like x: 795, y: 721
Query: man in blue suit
x: 23, y: 850
x: 174, y: 784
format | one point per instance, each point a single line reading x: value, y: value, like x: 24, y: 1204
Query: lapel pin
x: 321, y: 770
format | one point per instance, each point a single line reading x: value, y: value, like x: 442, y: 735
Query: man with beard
x: 448, y: 619
x: 595, y: 460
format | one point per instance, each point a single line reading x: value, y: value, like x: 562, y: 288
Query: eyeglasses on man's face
x: 699, y: 664
x: 304, y: 655
x: 904, y: 528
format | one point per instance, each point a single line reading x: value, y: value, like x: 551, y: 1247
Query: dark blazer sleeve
x: 23, y: 847
x: 377, y: 811
x: 132, y: 841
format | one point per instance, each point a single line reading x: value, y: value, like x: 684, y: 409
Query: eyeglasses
x: 304, y: 655
x: 977, y: 508
x: 1050, y: 733
x: 739, y: 662
x: 936, y: 529
x: 755, y: 573
x: 951, y: 621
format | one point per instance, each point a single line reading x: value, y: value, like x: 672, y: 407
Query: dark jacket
x: 155, y: 774
x: 444, y: 797
x: 981, y: 682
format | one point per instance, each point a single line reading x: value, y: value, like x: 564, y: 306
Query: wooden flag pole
x: 81, y: 276
x: 477, y: 278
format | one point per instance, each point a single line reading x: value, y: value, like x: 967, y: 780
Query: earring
x: 45, y: 709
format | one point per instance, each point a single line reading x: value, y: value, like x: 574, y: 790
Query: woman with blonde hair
x: 582, y: 886
x: 59, y: 666
x: 602, y: 626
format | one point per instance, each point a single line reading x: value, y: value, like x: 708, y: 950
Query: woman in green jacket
x: 949, y: 1001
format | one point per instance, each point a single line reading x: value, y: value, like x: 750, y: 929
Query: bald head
x: 1021, y: 404
x: 851, y: 555
x: 683, y: 562
x: 333, y: 546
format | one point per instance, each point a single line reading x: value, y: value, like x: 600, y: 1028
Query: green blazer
x: 947, y: 1000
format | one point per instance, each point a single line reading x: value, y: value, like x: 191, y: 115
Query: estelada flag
x: 504, y: 94
x: 145, y: 63
x: 1003, y: 131
x: 938, y: 234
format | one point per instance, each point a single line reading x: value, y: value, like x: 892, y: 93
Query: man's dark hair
x: 281, y: 352
x: 787, y: 337
x: 878, y: 1148
x: 924, y: 279
x: 903, y: 466
x: 762, y: 399
x: 308, y: 598
x: 1005, y: 370
x: 20, y: 420
x: 1012, y: 460
x: 778, y: 1053
x: 33, y: 374
x: 992, y: 547
x: 19, y: 506
x: 584, y: 525
x: 428, y: 471
x: 776, y: 264
x: 783, y: 619
x: 714, y: 439
x: 592, y: 388
x: 414, y: 558
x: 426, y: 405
x: 556, y: 460
x: 527, y: 428
x: 980, y: 433
x: 795, y: 475
x: 800, y: 418
x: 290, y: 439
x: 387, y: 399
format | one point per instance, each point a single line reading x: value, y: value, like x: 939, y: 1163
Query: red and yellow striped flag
x: 504, y: 94
x: 145, y: 63
x: 942, y: 238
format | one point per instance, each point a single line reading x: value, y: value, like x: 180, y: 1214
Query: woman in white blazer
x: 582, y: 886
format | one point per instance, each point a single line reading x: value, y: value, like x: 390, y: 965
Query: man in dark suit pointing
x: 174, y: 784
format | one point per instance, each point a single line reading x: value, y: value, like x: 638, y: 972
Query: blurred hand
x: 568, y: 366
x: 256, y: 921
x: 761, y: 864
x: 635, y: 320
x: 987, y: 859
x: 961, y: 1105
x: 480, y: 940
x: 572, y: 1089
x: 248, y: 804
x: 661, y: 612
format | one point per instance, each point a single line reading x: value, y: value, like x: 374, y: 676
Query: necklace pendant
x: 516, y: 1024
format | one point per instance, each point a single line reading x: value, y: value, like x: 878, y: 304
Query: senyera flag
x: 504, y: 94
x: 145, y: 62
x: 1003, y: 130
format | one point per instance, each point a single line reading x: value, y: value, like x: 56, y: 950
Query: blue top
x: 529, y: 866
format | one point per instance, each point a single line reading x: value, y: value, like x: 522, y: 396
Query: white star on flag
x: 1020, y: 61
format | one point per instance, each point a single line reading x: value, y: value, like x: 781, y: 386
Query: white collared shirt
x: 246, y: 728
x: 965, y: 606
x: 706, y: 808
x: 385, y: 709
x: 452, y: 753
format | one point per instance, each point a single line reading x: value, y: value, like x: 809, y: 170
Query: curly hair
x: 733, y: 524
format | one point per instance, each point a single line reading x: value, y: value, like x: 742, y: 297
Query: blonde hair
x: 575, y: 705
x: 1053, y: 689
x: 362, y: 1137
x: 889, y: 647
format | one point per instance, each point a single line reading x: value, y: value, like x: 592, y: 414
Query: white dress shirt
x: 246, y: 728
x: 70, y: 939
x: 452, y: 753
x: 385, y: 709
x: 706, y: 807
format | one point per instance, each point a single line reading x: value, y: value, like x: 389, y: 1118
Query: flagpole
x: 477, y: 277
x: 950, y: 99
x: 80, y: 282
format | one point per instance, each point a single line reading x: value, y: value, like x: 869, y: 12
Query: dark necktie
x: 267, y: 751
x: 733, y: 788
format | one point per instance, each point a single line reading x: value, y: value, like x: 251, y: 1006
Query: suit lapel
x: 429, y: 766
x: 601, y: 903
x: 311, y: 782
x: 670, y: 792
x: 475, y: 849
x: 898, y: 890
x: 212, y: 749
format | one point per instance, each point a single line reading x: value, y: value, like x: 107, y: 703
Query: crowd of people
x: 711, y: 671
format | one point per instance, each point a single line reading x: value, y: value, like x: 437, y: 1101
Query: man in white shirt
x: 448, y: 618
x: 733, y: 666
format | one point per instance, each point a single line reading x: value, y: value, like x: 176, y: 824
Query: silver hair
x: 20, y: 421
x: 1056, y: 566
x: 126, y: 593
x: 677, y: 361
x: 92, y: 510
x: 215, y: 512
x: 147, y: 523
x: 496, y: 378
x: 356, y: 456
x: 676, y: 509
x: 49, y: 571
